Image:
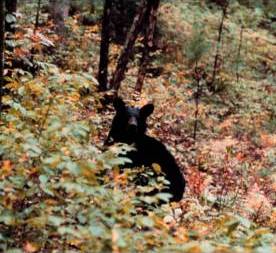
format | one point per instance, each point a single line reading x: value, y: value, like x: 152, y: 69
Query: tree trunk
x: 118, y: 75
x: 105, y: 39
x: 148, y: 42
x: 37, y: 15
x: 2, y: 38
x: 11, y: 6
x: 59, y: 10
x: 123, y: 13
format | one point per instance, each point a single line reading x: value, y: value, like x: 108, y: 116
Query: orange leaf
x: 6, y: 165
x: 19, y: 52
x: 240, y: 156
x: 6, y: 168
x: 268, y: 140
x: 30, y: 247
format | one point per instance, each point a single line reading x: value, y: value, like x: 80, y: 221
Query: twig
x: 42, y: 123
x: 239, y: 54
x: 215, y: 68
x: 198, y: 77
x: 257, y: 214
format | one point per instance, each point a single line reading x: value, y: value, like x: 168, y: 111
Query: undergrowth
x: 61, y: 191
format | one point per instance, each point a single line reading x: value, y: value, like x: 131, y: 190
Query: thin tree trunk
x: 197, y: 95
x: 148, y: 43
x: 37, y: 15
x: 239, y: 55
x: 2, y: 38
x: 104, y: 51
x: 196, y: 114
x: 118, y: 75
x: 11, y: 7
x: 215, y: 68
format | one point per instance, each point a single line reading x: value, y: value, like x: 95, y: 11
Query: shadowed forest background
x: 208, y: 66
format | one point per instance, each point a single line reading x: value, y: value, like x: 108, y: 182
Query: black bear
x: 129, y: 126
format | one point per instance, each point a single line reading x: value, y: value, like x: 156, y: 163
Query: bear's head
x: 129, y: 123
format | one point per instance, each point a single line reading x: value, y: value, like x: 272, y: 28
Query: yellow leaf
x: 75, y: 97
x: 37, y: 222
x: 75, y: 242
x: 94, y: 29
x: 35, y: 88
x: 14, y: 85
x: 156, y: 167
x: 51, y: 202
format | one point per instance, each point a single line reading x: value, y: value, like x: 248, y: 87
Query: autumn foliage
x: 61, y: 190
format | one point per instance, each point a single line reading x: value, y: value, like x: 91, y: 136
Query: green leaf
x: 232, y: 225
x: 33, y: 150
x: 55, y: 125
x: 10, y: 43
x: 21, y: 91
x: 53, y: 160
x: 121, y: 242
x: 164, y: 196
x: 7, y: 218
x: 55, y: 220
x: 73, y: 168
x: 245, y: 222
x: 207, y: 247
x: 264, y: 249
x: 146, y: 221
x: 63, y: 230
x: 10, y: 18
x: 96, y: 230
x: 43, y: 179
x: 14, y: 251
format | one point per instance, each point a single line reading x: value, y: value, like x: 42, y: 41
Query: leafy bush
x: 58, y: 190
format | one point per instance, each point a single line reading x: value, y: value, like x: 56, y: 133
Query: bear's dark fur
x: 129, y: 126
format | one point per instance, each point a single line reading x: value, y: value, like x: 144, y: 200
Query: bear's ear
x: 146, y: 110
x: 119, y: 104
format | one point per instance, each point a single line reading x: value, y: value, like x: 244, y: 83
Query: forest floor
x: 233, y: 156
